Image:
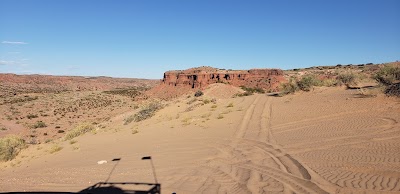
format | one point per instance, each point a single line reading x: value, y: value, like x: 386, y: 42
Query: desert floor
x: 329, y: 140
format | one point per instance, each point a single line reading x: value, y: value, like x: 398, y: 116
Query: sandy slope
x: 325, y: 141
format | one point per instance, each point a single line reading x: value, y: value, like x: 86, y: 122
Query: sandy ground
x: 325, y: 141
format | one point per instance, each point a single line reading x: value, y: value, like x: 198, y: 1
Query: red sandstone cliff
x: 201, y: 77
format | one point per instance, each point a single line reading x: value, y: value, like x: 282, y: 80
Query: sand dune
x: 324, y: 141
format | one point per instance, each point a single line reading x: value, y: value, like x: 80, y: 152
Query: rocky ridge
x: 201, y: 77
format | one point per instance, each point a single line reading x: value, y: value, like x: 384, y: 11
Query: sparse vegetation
x: 186, y: 121
x: 230, y: 105
x: 206, y: 101
x: 329, y: 82
x: 220, y: 116
x: 306, y: 83
x: 134, y: 131
x: 72, y: 142
x: 347, y: 78
x: 214, y: 106
x: 146, y: 112
x: 10, y: 146
x: 289, y: 87
x: 192, y: 101
x: 55, y: 148
x: 79, y: 130
x: 389, y: 77
x: 39, y: 124
x: 252, y: 90
x: 198, y: 93
x: 206, y: 115
x: 31, y: 116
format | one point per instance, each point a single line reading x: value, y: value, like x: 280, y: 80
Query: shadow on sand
x: 116, y: 187
x: 113, y: 187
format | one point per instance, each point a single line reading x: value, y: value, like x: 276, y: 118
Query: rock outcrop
x: 201, y: 77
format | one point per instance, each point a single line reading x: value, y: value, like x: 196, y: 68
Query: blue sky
x: 144, y: 38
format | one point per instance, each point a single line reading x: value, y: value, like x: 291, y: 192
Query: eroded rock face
x: 201, y: 77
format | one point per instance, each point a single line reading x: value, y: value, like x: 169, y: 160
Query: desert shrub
x: 72, y: 142
x: 146, y: 112
x: 214, y: 106
x: 388, y: 75
x: 206, y: 101
x: 252, y: 90
x: 346, y: 78
x: 289, y: 87
x: 55, y: 148
x: 39, y: 124
x: 307, y: 82
x: 198, y: 93
x: 246, y: 93
x: 31, y: 116
x: 230, y: 105
x: 393, y: 90
x: 192, y: 101
x: 10, y: 146
x: 79, y: 130
x: 329, y: 82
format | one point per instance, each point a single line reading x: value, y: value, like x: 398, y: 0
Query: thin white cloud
x: 13, y: 42
x: 3, y: 62
x: 73, y: 67
x: 13, y: 63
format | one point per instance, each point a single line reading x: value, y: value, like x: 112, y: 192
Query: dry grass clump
x: 39, y: 124
x: 206, y: 101
x: 79, y: 130
x: 249, y: 91
x: 347, y: 78
x: 10, y: 146
x: 146, y: 112
x: 329, y: 82
x: 55, y: 148
x: 289, y: 87
x: 31, y: 116
x: 306, y: 83
x: 388, y: 75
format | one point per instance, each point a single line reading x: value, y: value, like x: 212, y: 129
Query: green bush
x: 10, y: 146
x: 289, y: 87
x: 329, y: 82
x: 346, y: 78
x: 145, y: 113
x: 252, y: 90
x: 79, y: 130
x: 306, y: 83
x: 388, y: 75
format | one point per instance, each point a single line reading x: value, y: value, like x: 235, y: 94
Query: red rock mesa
x: 267, y: 79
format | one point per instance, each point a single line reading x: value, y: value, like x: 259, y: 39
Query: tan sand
x: 324, y: 141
